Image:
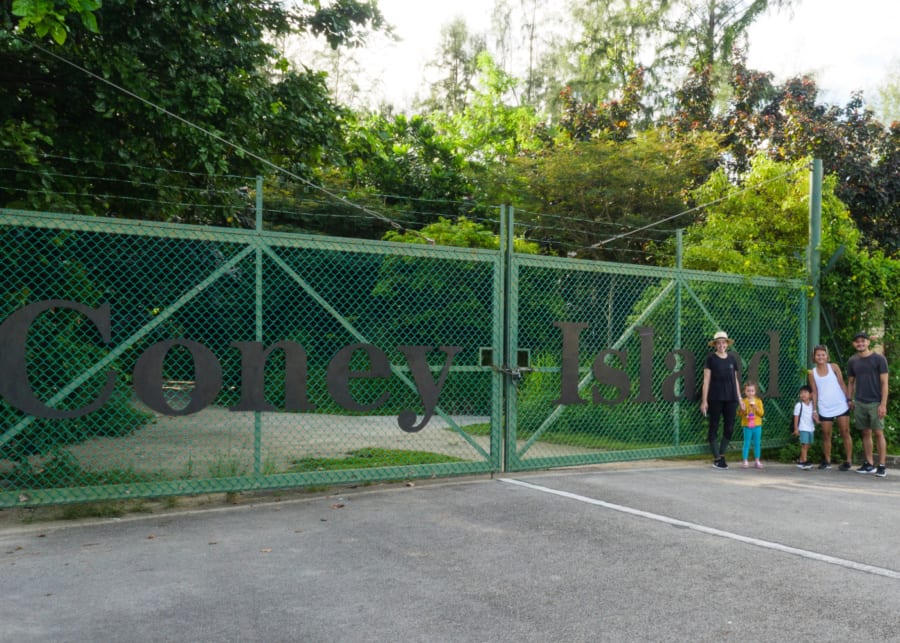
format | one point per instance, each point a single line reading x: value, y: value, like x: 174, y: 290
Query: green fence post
x: 510, y: 336
x: 257, y: 415
x: 676, y: 407
x: 813, y: 254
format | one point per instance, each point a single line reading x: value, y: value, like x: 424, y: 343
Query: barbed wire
x: 266, y: 162
x: 128, y: 166
x: 700, y: 206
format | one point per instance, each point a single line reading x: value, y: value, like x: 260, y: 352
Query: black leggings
x: 725, y: 410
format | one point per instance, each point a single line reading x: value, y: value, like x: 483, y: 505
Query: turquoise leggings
x: 754, y: 434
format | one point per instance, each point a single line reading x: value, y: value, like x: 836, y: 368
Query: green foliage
x: 788, y: 124
x: 461, y: 233
x: 708, y: 31
x: 410, y: 165
x: 582, y: 196
x: 489, y: 129
x: 614, y: 42
x: 457, y: 60
x: 343, y: 22
x: 613, y: 119
x: 889, y: 94
x: 49, y: 16
x: 761, y: 225
x: 211, y: 64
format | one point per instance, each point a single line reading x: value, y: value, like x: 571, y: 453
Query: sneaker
x: 825, y: 465
x: 804, y: 465
x: 845, y: 467
x: 745, y: 465
x: 880, y: 472
x: 758, y: 465
x: 866, y: 468
x: 720, y: 464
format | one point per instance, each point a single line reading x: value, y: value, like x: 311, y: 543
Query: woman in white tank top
x: 829, y: 404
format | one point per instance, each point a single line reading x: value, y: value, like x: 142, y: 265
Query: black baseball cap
x: 860, y: 335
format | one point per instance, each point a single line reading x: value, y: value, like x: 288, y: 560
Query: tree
x: 456, y: 59
x: 411, y: 166
x: 587, y: 198
x: 759, y: 225
x: 98, y: 118
x: 490, y: 129
x: 787, y: 122
x: 50, y: 17
x: 461, y: 233
x: 614, y: 38
x: 889, y: 95
x: 709, y: 30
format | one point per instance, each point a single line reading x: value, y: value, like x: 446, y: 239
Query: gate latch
x: 516, y: 372
x: 523, y: 358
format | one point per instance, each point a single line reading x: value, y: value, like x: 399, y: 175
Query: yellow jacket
x: 756, y: 407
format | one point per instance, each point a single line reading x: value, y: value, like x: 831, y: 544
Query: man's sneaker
x: 880, y: 472
x: 845, y: 467
x: 866, y: 468
x: 825, y: 465
x: 720, y: 464
x: 804, y: 465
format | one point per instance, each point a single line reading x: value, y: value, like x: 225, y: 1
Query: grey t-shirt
x: 867, y: 372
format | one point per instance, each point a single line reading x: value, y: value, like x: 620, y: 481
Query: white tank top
x: 832, y: 401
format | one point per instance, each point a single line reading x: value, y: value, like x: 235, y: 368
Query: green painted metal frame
x: 259, y: 246
x: 507, y: 450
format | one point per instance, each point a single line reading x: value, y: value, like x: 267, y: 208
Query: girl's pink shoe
x: 745, y: 465
x: 758, y: 465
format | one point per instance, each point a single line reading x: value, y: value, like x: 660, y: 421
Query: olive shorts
x: 865, y: 414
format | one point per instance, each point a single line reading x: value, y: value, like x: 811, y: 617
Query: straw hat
x: 720, y: 335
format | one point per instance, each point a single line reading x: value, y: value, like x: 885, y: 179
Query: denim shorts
x: 865, y: 414
x: 806, y: 437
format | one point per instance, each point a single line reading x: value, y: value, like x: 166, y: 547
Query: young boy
x: 803, y: 425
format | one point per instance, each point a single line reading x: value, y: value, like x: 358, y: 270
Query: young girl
x: 751, y: 414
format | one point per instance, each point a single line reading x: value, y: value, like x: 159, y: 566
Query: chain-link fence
x: 616, y: 357
x: 143, y: 360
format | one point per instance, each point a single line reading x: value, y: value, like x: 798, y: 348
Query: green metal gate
x: 143, y: 359
x: 616, y: 356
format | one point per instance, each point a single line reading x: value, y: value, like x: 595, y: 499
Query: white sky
x: 848, y: 45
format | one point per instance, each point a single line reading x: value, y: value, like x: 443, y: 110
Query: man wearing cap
x: 721, y: 394
x: 867, y: 387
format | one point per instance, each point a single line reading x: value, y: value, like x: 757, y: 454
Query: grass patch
x: 368, y: 458
x: 590, y: 441
x: 102, y: 509
x: 62, y: 469
x: 477, y: 429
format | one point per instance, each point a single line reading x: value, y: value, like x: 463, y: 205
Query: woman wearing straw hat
x: 721, y: 395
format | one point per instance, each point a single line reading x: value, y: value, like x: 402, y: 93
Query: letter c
x: 14, y: 383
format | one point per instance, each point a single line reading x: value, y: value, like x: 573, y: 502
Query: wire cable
x: 224, y: 141
x: 695, y: 208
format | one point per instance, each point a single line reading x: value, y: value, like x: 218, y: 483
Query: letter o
x: 148, y: 378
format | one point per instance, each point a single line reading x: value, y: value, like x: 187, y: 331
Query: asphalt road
x: 637, y: 553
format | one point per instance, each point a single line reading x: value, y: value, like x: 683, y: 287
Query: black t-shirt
x: 867, y: 371
x: 722, y: 372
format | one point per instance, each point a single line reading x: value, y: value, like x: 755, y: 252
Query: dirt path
x: 220, y: 442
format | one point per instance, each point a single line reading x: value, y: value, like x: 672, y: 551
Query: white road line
x: 766, y: 544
